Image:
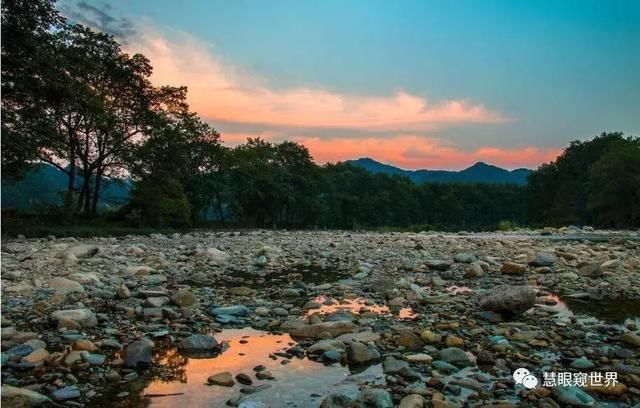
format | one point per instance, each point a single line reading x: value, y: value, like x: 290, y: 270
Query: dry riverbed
x: 331, y: 319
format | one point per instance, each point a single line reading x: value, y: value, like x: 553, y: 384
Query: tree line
x: 72, y: 98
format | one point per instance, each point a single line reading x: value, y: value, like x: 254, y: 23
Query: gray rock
x: 238, y: 310
x: 66, y: 393
x: 374, y: 398
x: 198, y: 343
x: 34, y: 398
x: 455, y: 356
x: 543, y: 259
x: 138, y: 354
x: 84, y: 317
x: 508, y: 300
x: 360, y: 353
x: 573, y: 396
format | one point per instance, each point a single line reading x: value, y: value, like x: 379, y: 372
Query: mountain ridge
x: 479, y: 172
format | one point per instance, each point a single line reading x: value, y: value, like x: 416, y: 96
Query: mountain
x: 44, y: 186
x: 478, y: 173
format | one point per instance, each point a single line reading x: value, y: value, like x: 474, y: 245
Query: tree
x: 614, y: 187
x: 28, y: 62
x: 159, y: 200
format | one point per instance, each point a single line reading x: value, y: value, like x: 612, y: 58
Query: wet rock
x: 510, y: 300
x: 244, y: 379
x: 359, y: 353
x: 83, y: 317
x: 138, y: 354
x: 34, y: 398
x: 198, y: 343
x: 573, y: 396
x: 224, y: 379
x: 323, y: 346
x: 512, y: 268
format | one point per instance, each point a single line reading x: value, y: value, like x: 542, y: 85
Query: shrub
x: 160, y: 201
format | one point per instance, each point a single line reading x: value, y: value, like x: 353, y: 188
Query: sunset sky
x: 418, y: 84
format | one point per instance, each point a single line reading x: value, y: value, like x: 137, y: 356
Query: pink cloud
x: 219, y: 91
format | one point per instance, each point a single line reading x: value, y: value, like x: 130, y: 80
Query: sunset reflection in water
x: 357, y: 306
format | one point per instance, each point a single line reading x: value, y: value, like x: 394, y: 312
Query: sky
x: 417, y: 84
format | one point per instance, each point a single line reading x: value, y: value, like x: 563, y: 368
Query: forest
x: 72, y: 98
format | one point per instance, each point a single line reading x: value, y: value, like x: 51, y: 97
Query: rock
x: 82, y: 251
x: 455, y: 356
x: 465, y: 257
x: 453, y: 341
x: 430, y: 337
x: 93, y: 358
x: 262, y: 311
x: 474, y: 271
x: 419, y: 358
x: 508, y: 300
x: 214, y: 255
x: 590, y: 270
x: 138, y: 355
x: 123, y: 292
x: 512, y: 268
x: 543, y: 259
x: 279, y: 311
x: 360, y: 353
x: 412, y: 401
x: 37, y: 356
x: 485, y: 357
x: 242, y: 291
x: 323, y: 346
x: 573, y: 396
x: 184, y: 298
x: 409, y: 340
x: 237, y: 310
x: 83, y: 317
x: 156, y: 302
x: 631, y: 339
x: 244, y: 379
x: 86, y: 278
x: 198, y: 343
x: 35, y: 398
x: 289, y: 293
x: 316, y: 330
x: 224, y: 379
x: 64, y: 285
x: 438, y: 265
x: 338, y: 401
x: 374, y: 398
x: 66, y: 393
x: 582, y: 363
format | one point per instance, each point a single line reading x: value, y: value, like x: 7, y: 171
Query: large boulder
x: 508, y: 300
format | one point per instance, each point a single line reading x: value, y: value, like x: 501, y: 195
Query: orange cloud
x: 218, y: 91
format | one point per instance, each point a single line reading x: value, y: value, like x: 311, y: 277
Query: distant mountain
x: 478, y: 173
x: 44, y: 186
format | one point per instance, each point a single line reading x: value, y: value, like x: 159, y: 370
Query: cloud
x: 100, y: 18
x: 219, y: 91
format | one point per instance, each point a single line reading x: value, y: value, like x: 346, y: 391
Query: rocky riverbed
x: 315, y: 318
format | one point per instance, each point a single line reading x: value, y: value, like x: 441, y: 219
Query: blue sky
x: 545, y: 72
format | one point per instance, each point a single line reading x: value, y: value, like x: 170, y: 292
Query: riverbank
x: 331, y: 318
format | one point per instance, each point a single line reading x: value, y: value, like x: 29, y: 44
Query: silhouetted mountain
x: 45, y: 185
x: 478, y: 173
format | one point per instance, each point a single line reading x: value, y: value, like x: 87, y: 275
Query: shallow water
x: 357, y: 306
x: 182, y: 381
x: 626, y: 311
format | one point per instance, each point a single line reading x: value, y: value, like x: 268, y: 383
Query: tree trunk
x: 96, y: 191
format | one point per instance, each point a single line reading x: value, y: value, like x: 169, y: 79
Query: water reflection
x: 608, y: 310
x: 357, y: 306
x: 182, y: 381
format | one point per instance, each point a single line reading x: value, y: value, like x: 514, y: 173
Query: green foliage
x: 592, y: 182
x: 159, y: 200
x: 506, y: 225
